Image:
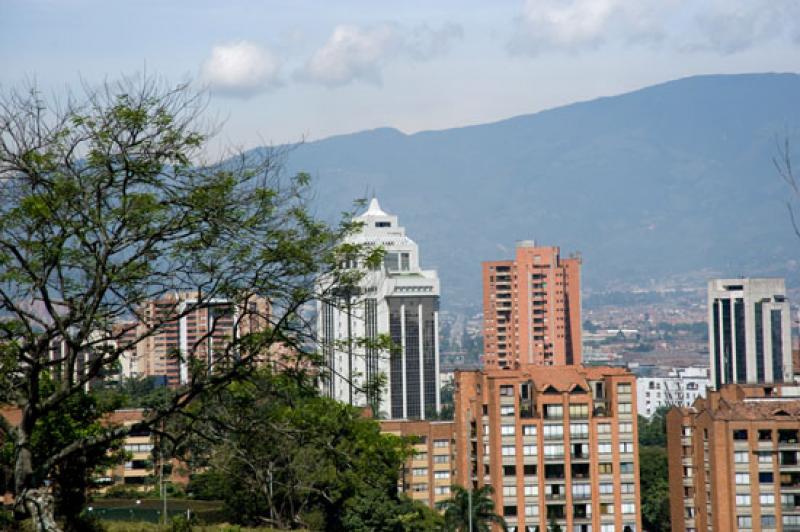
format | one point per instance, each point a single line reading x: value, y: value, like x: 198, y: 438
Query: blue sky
x: 280, y: 71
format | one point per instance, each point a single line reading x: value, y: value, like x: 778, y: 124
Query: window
x: 442, y: 490
x: 624, y: 387
x: 506, y: 410
x: 581, y: 491
x: 419, y: 471
x: 419, y: 487
x: 529, y: 450
x: 531, y: 490
x: 767, y: 499
x: 624, y: 408
x: 741, y: 457
x: 765, y: 477
x: 531, y: 510
x: 507, y: 390
x: 604, y: 428
x: 740, y: 435
x: 441, y: 475
x: 606, y: 508
x: 742, y: 479
x: 743, y: 500
x: 553, y: 411
x: 509, y: 471
x: 607, y: 528
x: 626, y: 468
x: 553, y: 432
x: 626, y: 428
x: 628, y: 508
x: 606, y: 488
x: 764, y: 458
x: 507, y: 430
x: 606, y: 468
x: 529, y: 469
x: 441, y: 459
x: 604, y: 448
x: 744, y: 521
x: 626, y: 487
x: 768, y: 521
x: 509, y: 510
x: 439, y: 444
x: 579, y: 411
x: 529, y: 430
x: 509, y: 450
x: 509, y: 491
x: 579, y: 430
x: 626, y: 447
x: 553, y: 451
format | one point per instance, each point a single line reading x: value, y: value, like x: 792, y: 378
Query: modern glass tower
x: 749, y: 331
x: 398, y: 299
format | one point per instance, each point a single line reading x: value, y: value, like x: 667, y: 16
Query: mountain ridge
x: 665, y: 180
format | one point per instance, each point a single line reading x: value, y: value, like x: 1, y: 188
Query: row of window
x: 555, y: 432
x: 579, y: 491
x: 556, y: 450
x: 423, y: 472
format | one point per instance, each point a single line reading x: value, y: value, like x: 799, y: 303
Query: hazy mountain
x: 669, y: 180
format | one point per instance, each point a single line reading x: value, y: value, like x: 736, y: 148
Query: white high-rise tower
x: 398, y: 299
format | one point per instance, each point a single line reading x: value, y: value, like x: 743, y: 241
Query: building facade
x: 398, y: 299
x: 676, y: 387
x: 203, y: 331
x: 532, y: 309
x: 734, y: 460
x: 749, y: 330
x: 556, y: 443
x: 428, y: 474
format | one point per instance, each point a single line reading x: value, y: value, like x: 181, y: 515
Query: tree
x: 280, y: 455
x: 106, y: 202
x: 653, y: 478
x: 457, y: 510
x: 653, y: 430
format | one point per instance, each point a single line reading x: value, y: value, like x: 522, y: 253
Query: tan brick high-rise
x: 555, y: 443
x: 734, y: 460
x: 532, y: 309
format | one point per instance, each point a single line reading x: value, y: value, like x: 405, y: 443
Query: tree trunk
x: 38, y: 504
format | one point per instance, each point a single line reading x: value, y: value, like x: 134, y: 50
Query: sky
x: 288, y: 70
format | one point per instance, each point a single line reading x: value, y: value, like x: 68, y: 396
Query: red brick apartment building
x: 428, y: 475
x: 734, y: 460
x: 555, y: 443
x: 532, y: 309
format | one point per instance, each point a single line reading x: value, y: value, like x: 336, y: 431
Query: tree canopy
x: 108, y: 201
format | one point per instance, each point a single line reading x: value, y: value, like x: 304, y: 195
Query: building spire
x: 374, y: 208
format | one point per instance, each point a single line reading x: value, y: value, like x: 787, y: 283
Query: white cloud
x: 355, y: 53
x: 241, y: 69
x: 723, y: 26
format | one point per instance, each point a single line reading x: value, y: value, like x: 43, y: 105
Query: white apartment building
x: 676, y: 387
x: 398, y: 299
x: 749, y: 330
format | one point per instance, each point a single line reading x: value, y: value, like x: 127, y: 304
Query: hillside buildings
x: 734, y: 460
x: 398, y: 298
x: 532, y: 309
x: 749, y: 330
x: 675, y: 387
x: 556, y: 443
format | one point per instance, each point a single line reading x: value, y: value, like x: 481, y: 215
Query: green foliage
x: 654, y: 481
x: 277, y: 452
x: 653, y: 431
x: 107, y: 203
x: 457, y: 510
